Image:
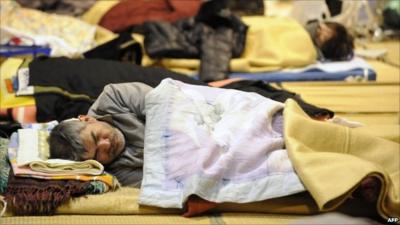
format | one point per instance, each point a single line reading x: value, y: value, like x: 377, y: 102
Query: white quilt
x: 216, y: 143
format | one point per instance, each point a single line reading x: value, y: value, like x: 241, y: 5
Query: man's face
x: 102, y: 141
x: 324, y: 33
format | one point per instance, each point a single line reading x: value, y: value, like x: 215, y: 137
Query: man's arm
x: 121, y: 98
x: 124, y: 102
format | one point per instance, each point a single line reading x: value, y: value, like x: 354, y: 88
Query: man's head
x: 334, y: 41
x: 86, y: 138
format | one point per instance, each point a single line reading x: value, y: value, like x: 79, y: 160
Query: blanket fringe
x: 28, y: 196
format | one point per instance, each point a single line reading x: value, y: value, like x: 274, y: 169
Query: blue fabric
x: 309, y: 75
x: 11, y: 50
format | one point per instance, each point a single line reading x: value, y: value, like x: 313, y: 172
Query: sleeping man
x: 331, y: 40
x: 113, y: 132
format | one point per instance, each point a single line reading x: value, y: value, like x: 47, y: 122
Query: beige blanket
x: 332, y: 161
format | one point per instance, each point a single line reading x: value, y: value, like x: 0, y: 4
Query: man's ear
x: 86, y: 118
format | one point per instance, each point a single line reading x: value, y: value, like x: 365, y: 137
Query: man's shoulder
x: 135, y: 89
x: 128, y: 85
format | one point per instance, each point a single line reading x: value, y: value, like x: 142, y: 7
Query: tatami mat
x: 100, y: 220
x: 385, y: 72
x: 259, y: 219
x: 217, y: 219
x: 388, y: 66
x: 342, y: 97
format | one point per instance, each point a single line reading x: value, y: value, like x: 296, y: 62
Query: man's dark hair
x: 340, y: 47
x: 65, y: 141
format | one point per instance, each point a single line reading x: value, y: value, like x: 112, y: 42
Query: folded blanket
x: 64, y: 167
x: 25, y: 197
x: 28, y: 196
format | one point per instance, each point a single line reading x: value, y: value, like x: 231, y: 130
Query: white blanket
x: 216, y: 143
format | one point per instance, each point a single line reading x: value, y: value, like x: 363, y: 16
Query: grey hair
x: 65, y: 141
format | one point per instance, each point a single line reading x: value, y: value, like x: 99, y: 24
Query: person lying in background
x: 113, y: 134
x: 332, y: 40
x: 244, y: 44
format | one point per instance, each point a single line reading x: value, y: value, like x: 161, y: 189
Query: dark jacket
x: 86, y: 77
x: 215, y: 36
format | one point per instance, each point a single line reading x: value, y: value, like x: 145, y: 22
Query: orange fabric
x: 129, y: 13
x: 222, y: 83
x: 3, y: 112
x: 24, y: 114
x: 197, y: 206
x: 9, y: 85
